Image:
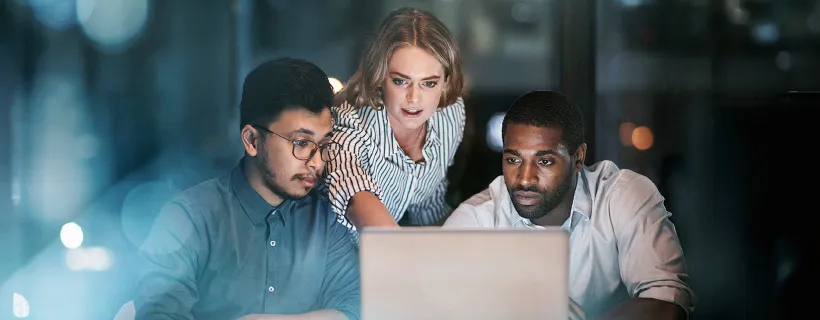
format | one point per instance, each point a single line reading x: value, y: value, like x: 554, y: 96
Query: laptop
x: 435, y: 273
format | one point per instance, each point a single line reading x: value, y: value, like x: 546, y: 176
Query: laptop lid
x: 435, y: 273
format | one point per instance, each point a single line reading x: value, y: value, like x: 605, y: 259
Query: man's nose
x: 527, y: 175
x: 315, y: 161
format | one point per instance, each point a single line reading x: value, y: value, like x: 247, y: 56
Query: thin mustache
x: 303, y: 176
x: 523, y: 188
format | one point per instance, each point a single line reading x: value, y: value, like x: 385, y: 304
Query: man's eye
x: 398, y: 81
x: 430, y: 84
x: 301, y: 143
x: 511, y: 160
x: 545, y: 162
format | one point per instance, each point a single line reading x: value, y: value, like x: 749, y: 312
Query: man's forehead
x: 539, y: 147
x: 532, y: 137
x: 528, y: 129
x: 301, y: 119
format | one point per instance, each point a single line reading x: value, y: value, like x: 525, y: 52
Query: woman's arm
x: 354, y: 194
x: 366, y: 210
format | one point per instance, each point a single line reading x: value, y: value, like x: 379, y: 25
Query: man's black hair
x: 548, y: 109
x: 283, y: 84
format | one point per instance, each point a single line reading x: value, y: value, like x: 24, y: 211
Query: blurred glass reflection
x: 113, y: 24
x: 20, y: 306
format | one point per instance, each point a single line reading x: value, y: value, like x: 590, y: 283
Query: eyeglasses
x: 304, y: 149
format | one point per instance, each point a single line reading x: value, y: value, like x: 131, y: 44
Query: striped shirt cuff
x: 343, y: 186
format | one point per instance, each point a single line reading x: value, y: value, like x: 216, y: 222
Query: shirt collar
x: 582, y: 200
x: 252, y: 203
x: 581, y: 203
x: 387, y: 141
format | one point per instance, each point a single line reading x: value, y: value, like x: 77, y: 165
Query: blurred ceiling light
x: 71, y: 235
x: 337, y: 85
x: 112, y: 24
x: 766, y: 33
x: 735, y: 12
x: 631, y: 3
x: 642, y: 138
x: 55, y: 14
x: 20, y: 306
x: 494, y: 139
x: 625, y: 133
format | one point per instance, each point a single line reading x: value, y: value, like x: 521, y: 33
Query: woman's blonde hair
x: 404, y: 27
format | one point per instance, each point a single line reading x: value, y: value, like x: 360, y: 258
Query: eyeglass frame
x: 294, y: 141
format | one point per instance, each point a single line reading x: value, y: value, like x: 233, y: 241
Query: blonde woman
x: 399, y: 120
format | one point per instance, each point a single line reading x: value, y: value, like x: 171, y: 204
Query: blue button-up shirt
x: 220, y: 251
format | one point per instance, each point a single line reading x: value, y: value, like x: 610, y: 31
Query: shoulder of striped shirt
x: 457, y: 106
x: 454, y: 115
x: 348, y: 119
x: 346, y: 114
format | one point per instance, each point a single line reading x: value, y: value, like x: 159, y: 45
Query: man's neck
x: 254, y: 178
x: 555, y: 217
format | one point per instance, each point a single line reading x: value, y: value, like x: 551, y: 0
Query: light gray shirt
x: 622, y: 243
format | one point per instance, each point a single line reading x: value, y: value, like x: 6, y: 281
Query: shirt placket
x: 272, y: 273
x: 405, y: 166
x: 412, y: 180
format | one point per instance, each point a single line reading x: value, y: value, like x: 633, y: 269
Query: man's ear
x: 580, y: 157
x: 250, y: 140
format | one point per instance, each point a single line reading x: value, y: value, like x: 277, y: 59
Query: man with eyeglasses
x: 259, y: 243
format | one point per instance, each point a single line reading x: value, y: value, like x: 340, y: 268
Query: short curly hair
x: 283, y: 84
x: 548, y: 109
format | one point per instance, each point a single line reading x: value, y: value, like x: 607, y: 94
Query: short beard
x: 269, y: 177
x: 548, y: 200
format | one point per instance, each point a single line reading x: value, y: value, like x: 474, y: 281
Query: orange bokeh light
x: 642, y: 138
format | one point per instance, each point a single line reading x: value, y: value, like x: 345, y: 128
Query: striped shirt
x: 371, y: 160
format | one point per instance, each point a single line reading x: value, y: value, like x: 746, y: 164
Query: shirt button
x: 273, y: 243
x: 273, y: 213
x: 270, y: 289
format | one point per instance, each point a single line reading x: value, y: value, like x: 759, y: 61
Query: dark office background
x: 109, y: 107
